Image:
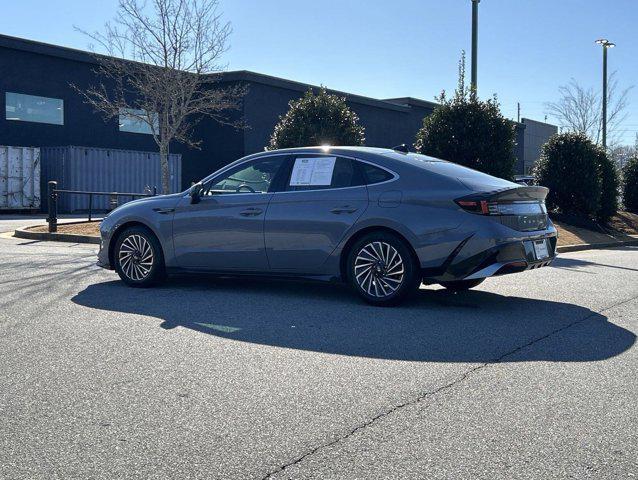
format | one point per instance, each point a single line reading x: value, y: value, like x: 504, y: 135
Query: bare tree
x: 579, y: 109
x: 623, y: 153
x: 162, y: 69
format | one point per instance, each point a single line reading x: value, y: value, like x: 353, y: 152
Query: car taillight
x: 485, y: 207
x: 476, y: 206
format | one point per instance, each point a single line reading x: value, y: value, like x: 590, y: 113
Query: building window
x: 31, y: 108
x: 130, y: 121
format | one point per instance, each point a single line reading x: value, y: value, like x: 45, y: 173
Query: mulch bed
x: 625, y: 222
x: 84, y: 228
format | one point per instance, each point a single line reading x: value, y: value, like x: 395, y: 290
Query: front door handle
x: 343, y: 209
x: 251, y: 212
x: 164, y: 211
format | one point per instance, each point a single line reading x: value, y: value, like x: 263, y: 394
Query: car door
x: 322, y: 198
x: 225, y: 230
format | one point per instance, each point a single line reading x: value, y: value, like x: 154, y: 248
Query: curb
x: 55, y: 237
x: 593, y: 246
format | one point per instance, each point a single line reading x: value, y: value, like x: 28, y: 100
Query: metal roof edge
x: 250, y: 76
x: 412, y: 102
x: 49, y: 49
x: 525, y: 119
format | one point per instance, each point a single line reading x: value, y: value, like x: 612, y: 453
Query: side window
x: 253, y: 177
x: 322, y: 172
x: 375, y: 174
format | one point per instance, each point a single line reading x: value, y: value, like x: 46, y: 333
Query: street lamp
x: 474, y: 42
x: 605, y: 44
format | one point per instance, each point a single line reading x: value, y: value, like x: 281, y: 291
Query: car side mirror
x: 196, y: 193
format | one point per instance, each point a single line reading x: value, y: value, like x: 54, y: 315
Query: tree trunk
x: 164, y: 169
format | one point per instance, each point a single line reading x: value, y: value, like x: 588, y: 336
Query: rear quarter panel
x: 425, y: 213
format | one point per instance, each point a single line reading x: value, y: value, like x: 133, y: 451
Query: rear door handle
x: 251, y: 212
x: 343, y: 209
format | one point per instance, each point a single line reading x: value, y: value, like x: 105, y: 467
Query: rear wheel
x: 382, y: 269
x: 138, y: 257
x: 462, y: 285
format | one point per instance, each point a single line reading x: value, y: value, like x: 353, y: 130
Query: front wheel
x: 382, y: 269
x: 462, y: 285
x: 138, y: 257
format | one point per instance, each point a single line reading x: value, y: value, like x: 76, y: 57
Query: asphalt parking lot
x: 532, y: 375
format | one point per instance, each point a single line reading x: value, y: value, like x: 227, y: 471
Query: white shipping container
x: 19, y: 178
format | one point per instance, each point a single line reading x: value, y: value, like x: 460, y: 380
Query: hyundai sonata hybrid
x: 382, y: 220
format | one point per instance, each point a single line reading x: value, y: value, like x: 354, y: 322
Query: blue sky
x: 383, y: 49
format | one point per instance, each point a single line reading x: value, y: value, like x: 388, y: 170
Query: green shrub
x: 317, y: 120
x: 470, y: 132
x: 609, y: 186
x: 630, y: 185
x: 570, y: 167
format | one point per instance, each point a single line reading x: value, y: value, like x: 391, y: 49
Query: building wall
x: 388, y: 128
x: 519, y: 149
x: 386, y: 124
x: 47, y: 70
x: 536, y: 135
x: 49, y: 76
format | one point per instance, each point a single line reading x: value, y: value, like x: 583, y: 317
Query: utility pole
x: 474, y: 43
x: 605, y: 44
x: 518, y: 115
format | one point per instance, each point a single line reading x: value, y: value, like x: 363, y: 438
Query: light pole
x: 474, y: 43
x: 605, y: 44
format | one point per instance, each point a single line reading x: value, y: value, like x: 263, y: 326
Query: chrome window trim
x: 236, y: 163
x: 395, y: 176
x: 204, y: 197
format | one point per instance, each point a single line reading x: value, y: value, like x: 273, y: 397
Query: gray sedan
x: 382, y: 220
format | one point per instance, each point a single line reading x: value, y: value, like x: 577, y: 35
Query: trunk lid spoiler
x: 517, y: 194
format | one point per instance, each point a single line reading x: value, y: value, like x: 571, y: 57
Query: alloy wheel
x: 379, y: 269
x: 136, y: 257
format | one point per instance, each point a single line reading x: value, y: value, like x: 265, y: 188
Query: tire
x: 462, y: 285
x: 382, y: 269
x: 132, y: 263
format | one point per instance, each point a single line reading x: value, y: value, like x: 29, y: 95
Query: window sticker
x: 312, y: 171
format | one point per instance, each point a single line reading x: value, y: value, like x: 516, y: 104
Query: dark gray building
x: 535, y: 136
x: 43, y: 110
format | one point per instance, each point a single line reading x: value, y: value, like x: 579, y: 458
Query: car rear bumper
x: 504, y: 258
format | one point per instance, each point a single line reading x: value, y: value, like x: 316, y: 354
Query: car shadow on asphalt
x: 435, y: 326
x: 578, y: 264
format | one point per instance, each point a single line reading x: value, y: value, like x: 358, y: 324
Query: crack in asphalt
x: 465, y: 375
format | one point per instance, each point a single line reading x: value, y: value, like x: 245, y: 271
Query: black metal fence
x: 54, y: 192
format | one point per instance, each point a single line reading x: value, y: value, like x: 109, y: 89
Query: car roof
x: 385, y: 157
x: 397, y: 162
x: 400, y: 162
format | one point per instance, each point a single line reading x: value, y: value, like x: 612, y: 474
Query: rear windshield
x: 473, y: 179
x: 413, y: 158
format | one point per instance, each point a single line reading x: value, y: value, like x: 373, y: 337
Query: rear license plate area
x: 540, y: 249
